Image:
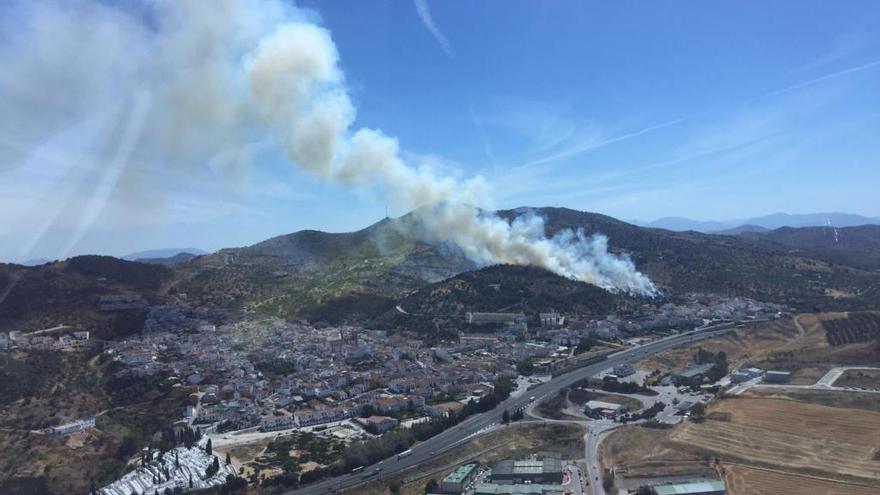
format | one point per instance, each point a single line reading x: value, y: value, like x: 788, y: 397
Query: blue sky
x: 710, y: 110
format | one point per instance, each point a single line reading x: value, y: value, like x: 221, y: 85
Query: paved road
x: 481, y: 423
x: 596, y: 431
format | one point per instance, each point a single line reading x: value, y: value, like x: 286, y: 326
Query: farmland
x: 745, y: 480
x: 810, y: 438
x: 852, y: 328
x: 764, y: 443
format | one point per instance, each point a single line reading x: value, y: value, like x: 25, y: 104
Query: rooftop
x: 460, y: 473
x: 530, y: 489
x: 691, y: 487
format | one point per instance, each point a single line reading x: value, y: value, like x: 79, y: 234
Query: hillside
x: 67, y: 293
x: 681, y: 262
x: 499, y: 288
x: 360, y: 276
x: 854, y: 246
x: 296, y: 274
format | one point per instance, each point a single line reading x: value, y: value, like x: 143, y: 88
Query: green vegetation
x: 855, y: 327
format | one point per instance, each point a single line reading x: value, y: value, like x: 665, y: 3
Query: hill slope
x: 67, y: 292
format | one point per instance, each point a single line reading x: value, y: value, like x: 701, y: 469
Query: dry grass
x: 763, y: 446
x: 779, y: 345
x: 744, y: 345
x: 790, y: 435
x: 860, y: 378
x: 744, y: 480
x: 831, y: 398
x: 635, y: 451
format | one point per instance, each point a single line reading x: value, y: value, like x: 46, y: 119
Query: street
x: 473, y: 426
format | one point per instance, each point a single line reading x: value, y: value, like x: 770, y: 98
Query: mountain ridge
x: 770, y: 222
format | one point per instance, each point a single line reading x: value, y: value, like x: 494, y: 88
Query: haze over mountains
x: 363, y: 275
x: 766, y: 222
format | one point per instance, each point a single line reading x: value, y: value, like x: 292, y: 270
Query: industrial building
x: 692, y: 487
x: 745, y: 375
x: 498, y: 319
x: 692, y: 374
x: 777, y: 376
x: 547, y: 470
x: 622, y: 370
x: 456, y: 481
x: 604, y: 408
x: 530, y: 489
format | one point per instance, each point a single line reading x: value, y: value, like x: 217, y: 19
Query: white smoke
x: 226, y: 73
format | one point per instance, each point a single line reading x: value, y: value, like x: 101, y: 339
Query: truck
x: 403, y: 454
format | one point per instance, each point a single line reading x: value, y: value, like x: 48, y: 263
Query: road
x: 596, y: 431
x: 480, y: 423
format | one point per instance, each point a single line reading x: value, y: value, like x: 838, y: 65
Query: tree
x: 525, y: 367
x: 432, y: 486
x: 228, y: 459
x: 394, y: 487
x: 505, y: 417
x: 517, y: 415
x: 608, y: 480
x: 208, y: 447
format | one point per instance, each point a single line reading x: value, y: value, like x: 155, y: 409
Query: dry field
x: 816, y: 439
x: 772, y: 442
x: 831, y: 398
x: 859, y: 378
x: 635, y: 451
x: 511, y: 442
x: 744, y: 480
x: 798, y: 346
x: 747, y: 344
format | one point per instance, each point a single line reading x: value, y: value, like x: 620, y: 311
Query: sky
x: 638, y: 110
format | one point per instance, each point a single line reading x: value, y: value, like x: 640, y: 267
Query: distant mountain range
x: 767, y: 222
x: 163, y: 253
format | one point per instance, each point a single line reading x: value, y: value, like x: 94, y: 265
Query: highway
x: 423, y: 452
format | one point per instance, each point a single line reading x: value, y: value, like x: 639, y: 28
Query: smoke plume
x: 232, y: 72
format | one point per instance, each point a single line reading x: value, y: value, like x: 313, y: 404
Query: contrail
x: 235, y: 72
x: 583, y: 149
x: 817, y: 80
x: 425, y: 15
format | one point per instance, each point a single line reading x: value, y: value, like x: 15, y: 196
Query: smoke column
x: 232, y: 71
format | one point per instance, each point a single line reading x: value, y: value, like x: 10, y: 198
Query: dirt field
x: 748, y: 344
x: 512, y: 442
x: 643, y: 452
x: 831, y: 398
x: 822, y: 440
x: 764, y: 444
x: 860, y: 379
x: 743, y: 480
x: 777, y: 345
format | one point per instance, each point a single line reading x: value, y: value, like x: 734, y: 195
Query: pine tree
x: 228, y: 459
x: 208, y: 447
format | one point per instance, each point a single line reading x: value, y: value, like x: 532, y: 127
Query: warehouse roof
x: 460, y: 473
x: 691, y: 488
